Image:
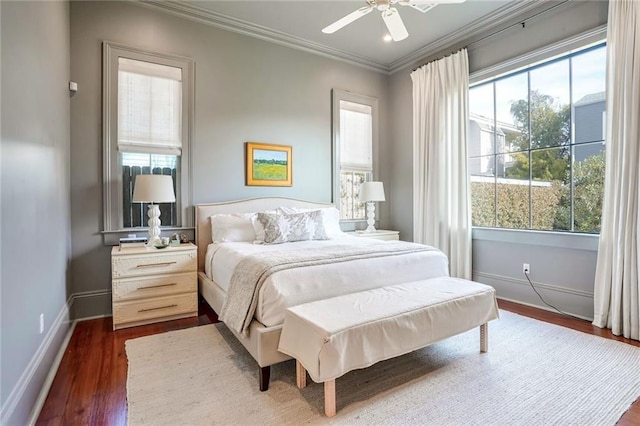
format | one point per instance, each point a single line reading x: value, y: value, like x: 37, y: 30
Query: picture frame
x: 268, y: 164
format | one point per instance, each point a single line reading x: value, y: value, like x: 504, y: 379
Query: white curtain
x: 441, y: 204
x: 617, y: 295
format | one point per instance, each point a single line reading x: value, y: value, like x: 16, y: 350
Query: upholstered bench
x: 331, y: 337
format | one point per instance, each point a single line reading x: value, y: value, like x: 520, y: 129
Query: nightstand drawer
x: 161, y: 307
x: 137, y: 265
x: 154, y: 286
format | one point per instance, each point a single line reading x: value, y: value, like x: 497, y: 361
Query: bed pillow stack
x: 284, y: 224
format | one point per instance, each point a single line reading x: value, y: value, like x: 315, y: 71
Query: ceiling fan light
x: 387, y: 37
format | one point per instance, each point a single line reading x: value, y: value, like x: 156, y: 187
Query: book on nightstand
x: 132, y: 242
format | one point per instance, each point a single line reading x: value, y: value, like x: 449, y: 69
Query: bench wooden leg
x: 330, y: 398
x: 484, y: 338
x: 301, y: 375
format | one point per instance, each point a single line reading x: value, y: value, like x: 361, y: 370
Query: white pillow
x: 330, y: 219
x: 234, y: 227
x: 283, y: 228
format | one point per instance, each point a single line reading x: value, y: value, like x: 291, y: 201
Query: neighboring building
x: 589, y: 120
x: 481, y: 146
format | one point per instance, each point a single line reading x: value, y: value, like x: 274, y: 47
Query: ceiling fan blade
x: 430, y: 1
x: 330, y: 29
x: 424, y: 5
x: 394, y: 24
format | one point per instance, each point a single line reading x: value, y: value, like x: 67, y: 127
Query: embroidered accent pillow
x: 330, y: 219
x: 286, y: 228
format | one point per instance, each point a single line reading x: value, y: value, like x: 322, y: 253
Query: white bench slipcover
x: 334, y: 336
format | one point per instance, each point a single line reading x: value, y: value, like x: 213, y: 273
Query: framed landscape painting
x: 268, y: 164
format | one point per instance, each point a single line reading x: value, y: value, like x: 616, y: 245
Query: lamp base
x: 154, y: 225
x: 371, y: 216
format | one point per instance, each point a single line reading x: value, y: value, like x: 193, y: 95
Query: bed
x: 300, y: 285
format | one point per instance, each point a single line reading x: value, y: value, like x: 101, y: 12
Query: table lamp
x: 153, y: 189
x: 370, y: 192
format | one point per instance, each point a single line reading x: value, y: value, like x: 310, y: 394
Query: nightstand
x: 379, y: 234
x: 151, y: 285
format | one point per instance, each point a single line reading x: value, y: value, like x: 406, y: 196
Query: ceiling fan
x: 390, y: 15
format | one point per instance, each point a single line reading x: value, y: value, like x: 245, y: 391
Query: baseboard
x: 46, y: 386
x: 26, y: 381
x: 574, y: 302
x: 525, y: 283
x: 542, y: 307
x: 90, y: 304
x: 77, y: 305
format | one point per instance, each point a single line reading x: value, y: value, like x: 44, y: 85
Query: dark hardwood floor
x: 90, y: 386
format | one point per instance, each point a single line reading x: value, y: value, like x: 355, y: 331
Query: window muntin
x: 539, y: 176
x: 134, y: 164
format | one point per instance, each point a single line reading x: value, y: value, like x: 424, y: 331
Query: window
x: 147, y: 115
x: 536, y: 145
x: 355, y: 139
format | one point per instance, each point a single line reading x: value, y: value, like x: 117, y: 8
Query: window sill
x: 568, y: 240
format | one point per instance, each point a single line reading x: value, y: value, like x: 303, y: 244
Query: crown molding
x: 219, y: 20
x: 493, y: 20
x: 488, y: 22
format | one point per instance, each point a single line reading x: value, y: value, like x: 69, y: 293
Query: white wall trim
x: 465, y: 35
x: 542, y: 307
x: 493, y: 20
x: 219, y: 20
x: 46, y: 386
x: 568, y: 240
x: 537, y: 285
x: 580, y: 41
x: 19, y: 389
x: 88, y: 294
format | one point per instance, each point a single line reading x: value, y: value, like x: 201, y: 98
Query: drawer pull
x: 157, y: 286
x: 150, y: 265
x: 159, y: 307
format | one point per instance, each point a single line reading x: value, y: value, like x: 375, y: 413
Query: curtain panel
x: 616, y: 290
x: 441, y: 198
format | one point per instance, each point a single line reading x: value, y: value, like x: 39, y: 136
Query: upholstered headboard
x: 204, y: 211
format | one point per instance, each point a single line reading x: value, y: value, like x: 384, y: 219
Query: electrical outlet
x: 526, y: 269
x: 41, y: 323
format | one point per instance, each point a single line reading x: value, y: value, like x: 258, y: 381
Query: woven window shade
x: 149, y: 107
x: 356, y: 133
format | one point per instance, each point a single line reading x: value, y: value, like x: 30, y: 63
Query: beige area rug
x: 534, y: 374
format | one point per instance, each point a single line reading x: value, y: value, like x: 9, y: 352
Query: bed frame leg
x: 484, y: 338
x: 330, y: 398
x: 265, y: 375
x: 301, y: 375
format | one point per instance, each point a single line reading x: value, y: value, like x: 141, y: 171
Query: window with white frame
x: 536, y: 145
x: 147, y: 109
x: 355, y: 133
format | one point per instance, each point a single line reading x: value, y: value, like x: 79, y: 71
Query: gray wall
x: 568, y: 274
x: 246, y: 90
x: 35, y: 197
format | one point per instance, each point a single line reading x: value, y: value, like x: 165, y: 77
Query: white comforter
x: 295, y: 286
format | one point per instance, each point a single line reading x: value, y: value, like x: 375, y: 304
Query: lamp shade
x: 372, y: 191
x: 153, y: 189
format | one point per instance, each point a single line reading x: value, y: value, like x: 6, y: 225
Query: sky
x: 261, y: 154
x: 588, y: 77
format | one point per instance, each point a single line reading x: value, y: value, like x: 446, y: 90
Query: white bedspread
x: 301, y: 285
